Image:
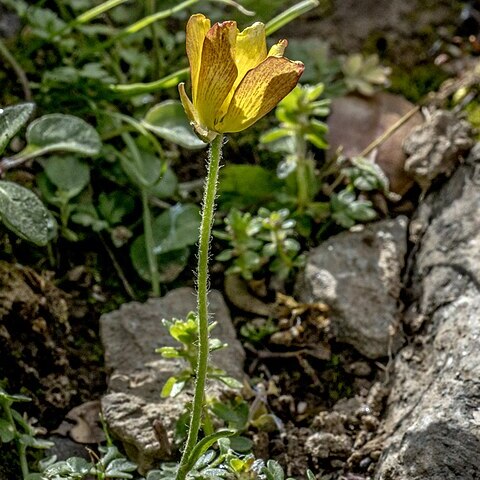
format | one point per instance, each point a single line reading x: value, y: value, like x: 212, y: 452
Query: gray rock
x: 433, y: 421
x: 133, y: 408
x: 358, y: 275
x: 434, y: 148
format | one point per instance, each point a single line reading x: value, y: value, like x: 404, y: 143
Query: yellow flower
x: 234, y: 81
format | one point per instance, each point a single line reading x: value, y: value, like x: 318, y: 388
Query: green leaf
x: 144, y: 170
x: 205, y: 443
x: 68, y: 174
x: 11, y: 120
x: 6, y: 431
x: 273, y: 471
x: 170, y: 264
x: 166, y: 186
x: 114, y: 206
x: 244, y: 186
x: 23, y: 212
x: 168, y: 386
x: 120, y: 468
x: 59, y: 132
x: 168, y: 121
x: 235, y: 415
x: 276, y: 134
x: 241, y: 444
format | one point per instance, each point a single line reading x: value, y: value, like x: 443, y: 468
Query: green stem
x: 151, y: 8
x: 215, y: 155
x: 149, y: 244
x: 21, y: 448
x: 302, y: 180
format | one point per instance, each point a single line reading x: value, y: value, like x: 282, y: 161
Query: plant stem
x: 149, y: 244
x: 208, y: 210
x: 21, y: 448
x: 151, y: 9
x: 302, y: 181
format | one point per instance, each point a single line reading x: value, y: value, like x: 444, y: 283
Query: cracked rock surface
x: 133, y: 409
x: 357, y: 274
x: 433, y: 419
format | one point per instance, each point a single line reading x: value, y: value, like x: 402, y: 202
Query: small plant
x: 299, y: 114
x: 15, y: 428
x: 227, y: 464
x: 110, y: 464
x: 363, y: 74
x: 20, y: 209
x: 186, y: 333
x: 257, y: 241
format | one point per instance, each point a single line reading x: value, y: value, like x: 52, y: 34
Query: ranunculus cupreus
x: 235, y: 82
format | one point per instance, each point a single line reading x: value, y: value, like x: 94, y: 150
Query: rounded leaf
x: 57, y: 131
x: 168, y: 121
x: 11, y: 120
x: 22, y: 212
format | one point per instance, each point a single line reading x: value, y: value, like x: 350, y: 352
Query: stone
x: 133, y: 409
x: 433, y: 424
x: 326, y: 445
x: 355, y: 122
x: 357, y: 274
x: 435, y: 147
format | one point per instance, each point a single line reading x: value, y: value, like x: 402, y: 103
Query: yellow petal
x: 259, y: 91
x: 197, y: 28
x: 217, y: 71
x: 250, y: 51
x: 187, y: 104
x: 278, y: 49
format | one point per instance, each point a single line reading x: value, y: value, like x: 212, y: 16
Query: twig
x: 126, y: 285
x: 389, y: 132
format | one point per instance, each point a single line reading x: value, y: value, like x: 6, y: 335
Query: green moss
x: 473, y: 116
x: 418, y: 82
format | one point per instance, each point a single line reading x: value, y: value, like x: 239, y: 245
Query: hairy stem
x: 208, y: 210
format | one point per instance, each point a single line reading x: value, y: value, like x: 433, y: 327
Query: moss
x: 418, y: 82
x: 473, y: 116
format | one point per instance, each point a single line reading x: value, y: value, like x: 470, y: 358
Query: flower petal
x: 278, y: 49
x: 197, y: 27
x: 259, y: 91
x: 250, y: 51
x: 217, y: 71
x: 187, y: 104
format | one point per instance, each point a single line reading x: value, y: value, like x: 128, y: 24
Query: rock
x: 357, y: 274
x: 435, y: 147
x: 432, y: 423
x: 133, y: 408
x: 355, y: 122
x: 326, y: 445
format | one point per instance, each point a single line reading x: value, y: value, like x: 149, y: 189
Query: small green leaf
x: 11, y: 120
x: 23, y: 212
x: 205, y: 443
x: 68, y: 174
x: 168, y: 121
x: 59, y: 132
x: 6, y: 431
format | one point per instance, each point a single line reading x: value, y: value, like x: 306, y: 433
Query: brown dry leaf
x: 86, y: 418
